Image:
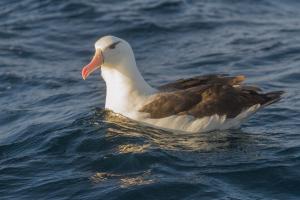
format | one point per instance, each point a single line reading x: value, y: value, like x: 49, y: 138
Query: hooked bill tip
x: 84, y: 73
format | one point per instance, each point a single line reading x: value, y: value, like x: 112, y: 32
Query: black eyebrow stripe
x: 114, y: 44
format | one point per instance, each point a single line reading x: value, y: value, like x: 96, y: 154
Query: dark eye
x: 113, y: 45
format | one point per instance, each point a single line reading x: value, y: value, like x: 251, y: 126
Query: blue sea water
x: 57, y: 142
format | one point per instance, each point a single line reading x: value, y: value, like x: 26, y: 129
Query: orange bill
x: 95, y: 63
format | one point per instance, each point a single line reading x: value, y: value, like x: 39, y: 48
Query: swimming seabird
x: 197, y: 104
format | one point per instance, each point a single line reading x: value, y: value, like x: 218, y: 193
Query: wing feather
x: 207, y: 95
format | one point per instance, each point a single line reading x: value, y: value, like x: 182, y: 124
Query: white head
x: 115, y: 58
x: 114, y: 53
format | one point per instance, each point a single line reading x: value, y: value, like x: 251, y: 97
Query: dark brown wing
x: 210, y: 79
x: 205, y: 96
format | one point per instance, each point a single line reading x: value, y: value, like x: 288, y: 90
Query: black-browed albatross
x: 198, y: 104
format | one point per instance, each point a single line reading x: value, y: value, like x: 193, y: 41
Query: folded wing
x: 207, y: 95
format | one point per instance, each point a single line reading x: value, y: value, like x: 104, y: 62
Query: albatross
x: 197, y: 104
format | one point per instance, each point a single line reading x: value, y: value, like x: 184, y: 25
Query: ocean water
x: 57, y: 142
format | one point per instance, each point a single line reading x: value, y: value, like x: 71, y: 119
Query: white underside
x: 189, y: 123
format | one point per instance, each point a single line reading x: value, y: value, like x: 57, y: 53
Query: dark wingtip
x: 273, y: 97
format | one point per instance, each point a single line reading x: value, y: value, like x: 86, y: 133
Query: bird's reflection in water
x: 133, y: 138
x: 133, y: 148
x: 124, y: 181
x: 120, y: 126
x: 134, y: 181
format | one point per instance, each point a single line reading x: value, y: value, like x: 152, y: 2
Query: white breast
x: 123, y: 95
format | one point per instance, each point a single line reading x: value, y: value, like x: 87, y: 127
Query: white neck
x: 126, y: 89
